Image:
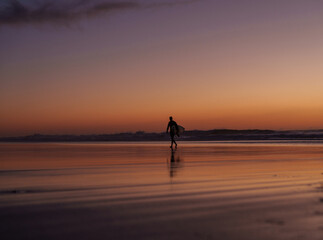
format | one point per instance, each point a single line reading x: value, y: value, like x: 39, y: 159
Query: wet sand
x: 145, y: 191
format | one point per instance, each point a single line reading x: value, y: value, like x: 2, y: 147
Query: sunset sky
x: 103, y: 66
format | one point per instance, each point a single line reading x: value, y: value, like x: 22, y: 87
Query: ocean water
x: 202, y: 190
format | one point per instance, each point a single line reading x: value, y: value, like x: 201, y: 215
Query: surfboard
x: 180, y: 131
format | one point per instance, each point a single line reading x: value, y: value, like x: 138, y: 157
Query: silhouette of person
x: 173, y: 129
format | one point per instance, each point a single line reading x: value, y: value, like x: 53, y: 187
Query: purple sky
x: 90, y: 66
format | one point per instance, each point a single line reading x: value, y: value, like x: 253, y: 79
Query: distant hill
x: 191, y: 135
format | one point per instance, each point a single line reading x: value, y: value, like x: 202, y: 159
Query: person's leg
x: 172, y: 140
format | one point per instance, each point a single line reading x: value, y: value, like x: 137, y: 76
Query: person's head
x: 171, y: 118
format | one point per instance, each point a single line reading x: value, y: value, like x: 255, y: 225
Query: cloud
x: 14, y: 12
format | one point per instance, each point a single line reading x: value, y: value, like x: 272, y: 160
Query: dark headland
x: 191, y: 135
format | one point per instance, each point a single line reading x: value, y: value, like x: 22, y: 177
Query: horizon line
x: 142, y: 131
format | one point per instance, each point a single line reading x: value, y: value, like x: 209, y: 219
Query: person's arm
x: 167, y: 128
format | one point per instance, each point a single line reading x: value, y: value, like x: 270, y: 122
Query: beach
x: 144, y: 190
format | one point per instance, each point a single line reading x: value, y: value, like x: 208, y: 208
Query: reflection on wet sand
x: 174, y: 162
x: 116, y: 191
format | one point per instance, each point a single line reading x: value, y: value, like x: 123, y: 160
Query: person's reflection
x: 174, y: 163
